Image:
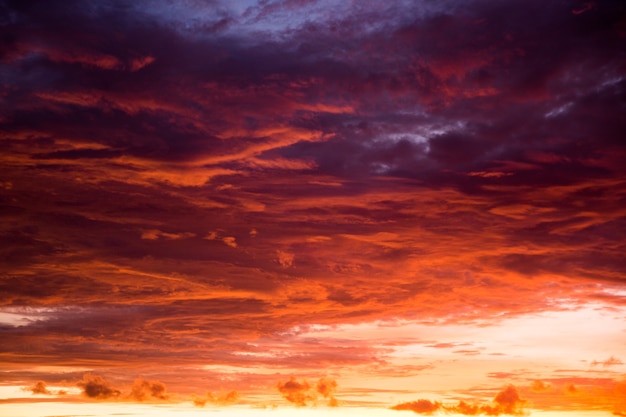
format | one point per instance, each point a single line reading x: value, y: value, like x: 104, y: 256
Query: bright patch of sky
x: 553, y: 337
x: 243, y: 18
x: 23, y: 316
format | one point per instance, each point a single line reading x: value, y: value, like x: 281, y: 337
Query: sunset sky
x: 313, y: 207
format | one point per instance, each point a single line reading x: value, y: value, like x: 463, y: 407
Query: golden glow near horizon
x: 451, y: 356
x: 322, y: 207
x: 186, y: 410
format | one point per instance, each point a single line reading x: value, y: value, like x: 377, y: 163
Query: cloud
x: 230, y: 241
x: 469, y: 409
x: 285, y: 259
x: 302, y: 393
x: 154, y: 234
x: 539, y: 386
x: 40, y: 388
x: 612, y: 361
x: 144, y: 389
x: 506, y: 402
x: 296, y: 392
x: 327, y: 387
x: 420, y: 406
x: 228, y: 398
x: 94, y: 386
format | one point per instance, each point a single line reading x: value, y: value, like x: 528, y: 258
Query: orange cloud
x: 94, y: 386
x: 302, y: 394
x: 228, y: 398
x: 467, y: 409
x: 612, y: 361
x: 143, y: 389
x: 40, y: 388
x: 327, y: 387
x: 154, y: 234
x: 296, y: 392
x: 230, y: 241
x: 507, y: 401
x: 285, y: 259
x: 420, y: 406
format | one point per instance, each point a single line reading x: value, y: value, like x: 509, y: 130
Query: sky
x: 322, y: 207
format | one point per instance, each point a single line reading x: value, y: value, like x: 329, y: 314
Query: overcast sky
x: 388, y: 204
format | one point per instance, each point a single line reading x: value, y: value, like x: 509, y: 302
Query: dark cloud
x: 94, y: 386
x: 41, y: 387
x: 24, y: 246
x: 327, y: 387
